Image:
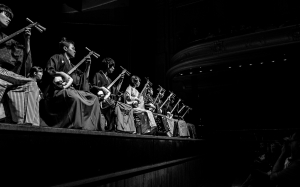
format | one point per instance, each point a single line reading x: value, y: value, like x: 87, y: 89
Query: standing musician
x: 67, y: 106
x: 101, y: 79
x: 19, y: 95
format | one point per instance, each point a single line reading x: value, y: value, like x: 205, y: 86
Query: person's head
x: 108, y: 65
x: 6, y: 16
x: 67, y: 47
x: 135, y: 81
x: 36, y: 73
x: 172, y: 100
x: 150, y: 91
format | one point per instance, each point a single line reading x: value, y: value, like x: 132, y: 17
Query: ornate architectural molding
x: 213, y: 52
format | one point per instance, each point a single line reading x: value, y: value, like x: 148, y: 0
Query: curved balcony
x: 232, y: 49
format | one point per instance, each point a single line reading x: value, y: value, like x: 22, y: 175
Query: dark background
x: 261, y: 94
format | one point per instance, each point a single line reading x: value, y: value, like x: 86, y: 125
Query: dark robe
x: 69, y: 108
x: 14, y: 58
x: 100, y: 80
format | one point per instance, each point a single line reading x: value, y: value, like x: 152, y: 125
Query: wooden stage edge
x: 105, y: 157
x: 29, y: 128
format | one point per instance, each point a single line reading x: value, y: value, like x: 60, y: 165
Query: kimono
x: 69, y: 108
x: 144, y: 119
x: 108, y: 121
x: 19, y: 96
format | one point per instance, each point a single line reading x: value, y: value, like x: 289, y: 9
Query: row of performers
x: 61, y: 95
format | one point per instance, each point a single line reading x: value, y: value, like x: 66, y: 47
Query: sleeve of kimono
x: 93, y: 89
x: 113, y: 89
x: 23, y: 59
x: 128, y: 91
x: 51, y: 67
x: 95, y: 80
x: 128, y: 94
x: 28, y: 61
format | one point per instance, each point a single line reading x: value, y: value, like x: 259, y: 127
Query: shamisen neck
x: 103, y: 72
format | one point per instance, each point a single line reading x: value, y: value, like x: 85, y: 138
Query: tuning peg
x: 93, y: 53
x: 36, y: 25
x: 127, y: 72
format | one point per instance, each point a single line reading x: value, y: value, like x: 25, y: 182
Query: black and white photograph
x: 140, y: 93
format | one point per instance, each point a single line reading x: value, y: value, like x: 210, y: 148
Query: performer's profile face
x: 137, y: 83
x: 39, y: 75
x: 111, y: 68
x: 4, y: 19
x: 71, y: 51
x: 150, y: 91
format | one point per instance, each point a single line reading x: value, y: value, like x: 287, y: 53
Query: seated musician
x: 149, y: 100
x: 131, y: 93
x: 162, y: 123
x: 36, y: 73
x: 101, y: 79
x: 172, y: 123
x: 149, y: 105
x: 144, y: 120
x: 67, y: 106
x: 19, y: 95
x: 167, y: 108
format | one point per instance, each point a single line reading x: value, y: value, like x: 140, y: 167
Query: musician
x: 144, y: 120
x: 18, y: 95
x: 67, y: 106
x: 102, y: 79
x: 167, y: 108
x: 149, y: 100
x: 36, y: 73
x: 131, y: 94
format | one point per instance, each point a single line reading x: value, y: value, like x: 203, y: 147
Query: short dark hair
x: 149, y: 89
x: 4, y: 8
x: 64, y: 42
x: 108, y: 61
x: 34, y: 69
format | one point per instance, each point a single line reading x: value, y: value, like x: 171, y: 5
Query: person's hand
x: 58, y: 80
x: 100, y: 93
x: 88, y: 60
x: 105, y: 90
x: 137, y: 100
x: 68, y: 82
x: 27, y: 34
x: 152, y: 106
x: 122, y: 76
